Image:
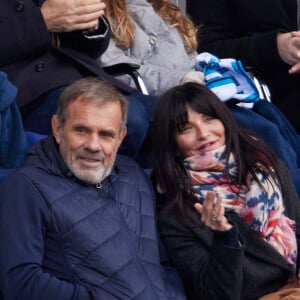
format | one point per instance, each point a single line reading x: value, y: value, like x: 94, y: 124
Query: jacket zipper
x: 138, y: 263
x: 99, y: 185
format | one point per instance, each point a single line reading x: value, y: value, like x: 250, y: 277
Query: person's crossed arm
x: 72, y: 15
x: 288, y: 45
x: 24, y: 218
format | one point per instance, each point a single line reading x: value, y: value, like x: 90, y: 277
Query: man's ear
x: 56, y: 127
x: 122, y: 134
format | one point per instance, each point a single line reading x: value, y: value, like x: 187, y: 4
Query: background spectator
x: 260, y: 34
x: 155, y: 35
x: 48, y: 45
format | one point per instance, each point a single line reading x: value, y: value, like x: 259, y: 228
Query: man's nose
x: 93, y: 143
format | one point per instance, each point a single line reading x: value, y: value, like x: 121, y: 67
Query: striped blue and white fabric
x: 227, y: 78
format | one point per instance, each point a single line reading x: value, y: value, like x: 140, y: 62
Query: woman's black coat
x: 213, y: 270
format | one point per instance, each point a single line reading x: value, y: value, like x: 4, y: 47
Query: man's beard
x: 92, y: 175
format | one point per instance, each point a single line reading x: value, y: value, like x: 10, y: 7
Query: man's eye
x: 80, y: 130
x: 107, y: 134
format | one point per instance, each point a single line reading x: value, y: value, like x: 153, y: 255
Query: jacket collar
x: 45, y: 154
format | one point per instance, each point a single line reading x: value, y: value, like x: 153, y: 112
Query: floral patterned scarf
x: 260, y: 207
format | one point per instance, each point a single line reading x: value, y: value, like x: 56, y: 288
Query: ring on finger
x: 213, y: 219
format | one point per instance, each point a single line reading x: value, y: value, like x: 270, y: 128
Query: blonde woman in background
x: 155, y: 35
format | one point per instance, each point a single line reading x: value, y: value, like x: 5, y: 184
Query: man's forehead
x: 90, y: 113
x: 81, y: 103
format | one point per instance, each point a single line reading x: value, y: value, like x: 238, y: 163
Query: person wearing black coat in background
x: 263, y: 34
x: 48, y: 44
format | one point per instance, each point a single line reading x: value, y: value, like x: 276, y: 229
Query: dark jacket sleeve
x: 24, y: 218
x: 212, y: 274
x: 23, y: 31
x: 172, y: 280
x: 223, y: 31
x: 92, y: 45
x: 171, y: 277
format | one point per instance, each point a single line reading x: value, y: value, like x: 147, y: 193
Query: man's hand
x: 71, y: 15
x: 288, y: 45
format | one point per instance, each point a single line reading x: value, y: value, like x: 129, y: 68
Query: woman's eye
x: 186, y: 128
x: 209, y: 118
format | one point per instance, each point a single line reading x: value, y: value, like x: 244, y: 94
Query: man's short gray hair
x: 94, y: 89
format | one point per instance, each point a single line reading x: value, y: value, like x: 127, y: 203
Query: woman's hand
x: 213, y: 213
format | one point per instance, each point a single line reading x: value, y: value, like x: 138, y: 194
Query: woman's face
x: 201, y: 133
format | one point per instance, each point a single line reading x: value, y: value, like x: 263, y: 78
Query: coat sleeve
x: 218, y: 34
x: 24, y: 218
x: 170, y: 276
x: 24, y: 34
x: 93, y: 45
x: 23, y: 31
x: 208, y: 267
x: 157, y: 78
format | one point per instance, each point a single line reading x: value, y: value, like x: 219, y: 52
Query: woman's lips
x: 207, y: 146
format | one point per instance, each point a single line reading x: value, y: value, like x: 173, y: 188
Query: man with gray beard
x: 77, y: 221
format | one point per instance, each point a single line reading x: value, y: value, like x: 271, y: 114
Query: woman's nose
x: 202, y: 132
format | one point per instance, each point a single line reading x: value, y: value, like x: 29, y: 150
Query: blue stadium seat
x: 32, y: 138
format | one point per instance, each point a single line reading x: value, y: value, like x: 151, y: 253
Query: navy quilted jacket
x: 65, y: 239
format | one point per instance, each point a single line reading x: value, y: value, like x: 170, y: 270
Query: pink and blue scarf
x: 260, y: 206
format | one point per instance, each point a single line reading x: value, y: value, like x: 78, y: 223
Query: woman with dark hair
x: 228, y: 213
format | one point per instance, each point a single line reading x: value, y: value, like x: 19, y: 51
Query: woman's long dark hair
x: 169, y: 174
